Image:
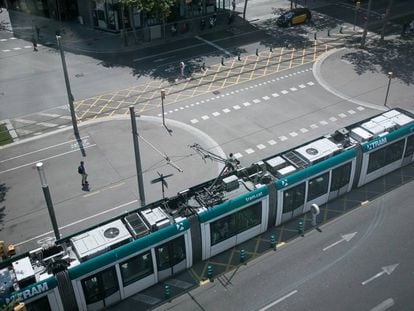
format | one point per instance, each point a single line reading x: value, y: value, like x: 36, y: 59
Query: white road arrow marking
x: 385, y: 270
x: 345, y: 237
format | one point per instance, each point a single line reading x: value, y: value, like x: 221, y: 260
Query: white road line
x: 24, y: 121
x: 216, y: 114
x: 279, y: 300
x: 66, y: 117
x: 77, y: 222
x: 215, y: 45
x: 323, y: 122
x: 205, y: 117
x: 333, y: 119
x: 238, y: 155
x: 282, y: 138
x: 5, y: 50
x: 284, y: 92
x: 249, y: 151
x: 256, y: 101
x: 194, y: 121
x: 275, y: 94
x: 236, y: 107
x: 47, y: 124
x: 16, y: 49
x: 272, y: 142
x: 303, y: 130
x: 260, y: 146
x: 266, y: 97
x: 226, y: 110
x: 385, y: 305
x: 246, y: 104
x: 313, y: 126
x: 293, y: 89
x: 52, y: 115
x: 44, y: 159
x: 302, y: 86
x: 342, y: 115
x: 42, y: 149
x: 293, y: 134
x: 351, y: 112
x: 310, y: 83
x: 360, y: 108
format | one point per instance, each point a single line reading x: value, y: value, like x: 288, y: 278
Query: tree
x: 160, y: 8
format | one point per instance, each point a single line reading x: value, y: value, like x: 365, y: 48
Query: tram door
x: 409, y: 151
x: 101, y: 289
x: 171, y: 257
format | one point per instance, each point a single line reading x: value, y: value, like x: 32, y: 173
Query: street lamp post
x: 68, y: 89
x: 388, y: 87
x: 162, y: 110
x: 48, y: 199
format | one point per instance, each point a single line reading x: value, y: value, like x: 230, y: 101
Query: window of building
x: 409, y: 150
x: 341, y: 176
x: 227, y: 227
x: 136, y: 268
x: 318, y: 186
x: 293, y: 198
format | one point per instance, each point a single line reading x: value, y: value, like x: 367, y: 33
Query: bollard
x: 242, y: 255
x: 222, y: 61
x: 273, y: 241
x: 167, y: 291
x: 238, y: 57
x: 314, y: 36
x: 301, y: 227
x: 271, y: 49
x: 329, y: 33
x: 204, y: 66
x: 340, y: 30
x: 257, y: 52
x: 210, y: 273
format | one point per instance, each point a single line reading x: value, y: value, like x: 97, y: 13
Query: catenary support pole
x: 137, y: 156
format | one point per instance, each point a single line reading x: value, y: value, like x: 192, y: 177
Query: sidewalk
x: 361, y: 75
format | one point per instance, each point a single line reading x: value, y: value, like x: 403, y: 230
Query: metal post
x: 388, y: 87
x: 386, y: 18
x: 356, y: 9
x: 68, y: 90
x: 137, y: 156
x: 48, y: 199
x: 162, y: 105
x: 364, y: 35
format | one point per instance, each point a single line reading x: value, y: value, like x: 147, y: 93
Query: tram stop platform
x: 227, y: 264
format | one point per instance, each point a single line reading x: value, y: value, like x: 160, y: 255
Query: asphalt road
x: 322, y: 271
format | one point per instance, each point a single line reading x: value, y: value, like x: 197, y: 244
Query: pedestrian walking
x: 182, y: 68
x: 34, y: 45
x: 37, y: 31
x: 82, y: 171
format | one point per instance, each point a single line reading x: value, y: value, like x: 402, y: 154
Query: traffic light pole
x: 364, y: 35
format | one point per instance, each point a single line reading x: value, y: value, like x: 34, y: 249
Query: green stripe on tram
x: 315, y: 169
x: 232, y: 204
x: 128, y: 249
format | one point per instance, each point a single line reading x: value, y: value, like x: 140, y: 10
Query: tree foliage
x: 161, y: 8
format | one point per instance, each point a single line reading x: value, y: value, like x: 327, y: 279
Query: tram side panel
x: 386, y: 154
x: 318, y: 184
x: 234, y: 221
x: 129, y: 269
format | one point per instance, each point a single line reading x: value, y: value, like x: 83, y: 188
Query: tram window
x: 171, y: 253
x: 341, y: 176
x: 394, y: 152
x: 293, y: 198
x: 318, y: 186
x: 249, y: 217
x: 410, y: 146
x: 233, y: 224
x: 41, y: 304
x: 136, y: 268
x: 376, y: 160
x: 223, y: 229
x: 100, y: 285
